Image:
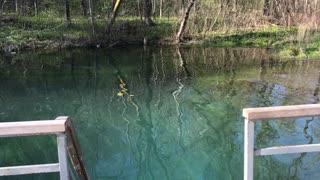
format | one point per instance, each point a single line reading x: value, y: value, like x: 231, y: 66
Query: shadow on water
x: 161, y: 113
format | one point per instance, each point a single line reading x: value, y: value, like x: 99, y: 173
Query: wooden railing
x: 253, y: 114
x: 66, y: 142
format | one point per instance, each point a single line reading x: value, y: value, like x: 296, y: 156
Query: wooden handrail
x: 267, y: 113
x: 30, y: 128
x: 287, y: 149
x: 281, y: 112
x: 62, y: 126
x: 29, y: 169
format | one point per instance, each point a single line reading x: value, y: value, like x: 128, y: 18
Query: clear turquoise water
x: 179, y: 119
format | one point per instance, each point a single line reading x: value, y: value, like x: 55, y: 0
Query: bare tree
x: 84, y: 7
x: 139, y: 10
x: 160, y: 9
x: 184, y: 21
x: 266, y: 8
x: 17, y: 7
x: 114, y: 14
x: 68, y: 17
x: 147, y: 12
x: 91, y: 17
x: 35, y: 4
x: 2, y: 6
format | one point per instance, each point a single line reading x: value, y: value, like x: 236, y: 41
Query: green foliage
x: 49, y: 32
x: 269, y: 37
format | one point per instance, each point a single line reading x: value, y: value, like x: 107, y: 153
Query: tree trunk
x: 160, y: 9
x: 147, y: 12
x: 305, y: 7
x: 154, y: 9
x: 266, y: 8
x: 113, y: 16
x: 22, y: 7
x: 184, y: 21
x: 2, y: 6
x: 35, y: 3
x: 17, y: 7
x: 68, y: 18
x: 139, y: 10
x: 91, y: 17
x: 235, y: 4
x: 84, y: 7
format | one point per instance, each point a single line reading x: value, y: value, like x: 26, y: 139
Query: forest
x: 32, y: 24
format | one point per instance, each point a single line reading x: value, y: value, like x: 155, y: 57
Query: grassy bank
x: 291, y: 42
x: 50, y: 32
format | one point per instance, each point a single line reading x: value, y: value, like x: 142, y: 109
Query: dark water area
x: 160, y: 113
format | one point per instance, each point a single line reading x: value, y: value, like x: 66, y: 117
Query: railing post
x: 248, y: 149
x: 63, y: 158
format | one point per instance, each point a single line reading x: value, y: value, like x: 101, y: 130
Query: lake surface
x: 160, y: 113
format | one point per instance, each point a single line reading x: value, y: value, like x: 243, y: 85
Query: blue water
x: 178, y: 115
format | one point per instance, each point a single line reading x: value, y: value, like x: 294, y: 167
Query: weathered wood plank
x: 27, y: 128
x: 287, y: 149
x: 248, y: 150
x: 75, y: 152
x: 29, y: 169
x: 281, y: 112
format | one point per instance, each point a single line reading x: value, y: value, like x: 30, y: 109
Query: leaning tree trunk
x: 113, y: 16
x: 184, y: 21
x: 147, y: 12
